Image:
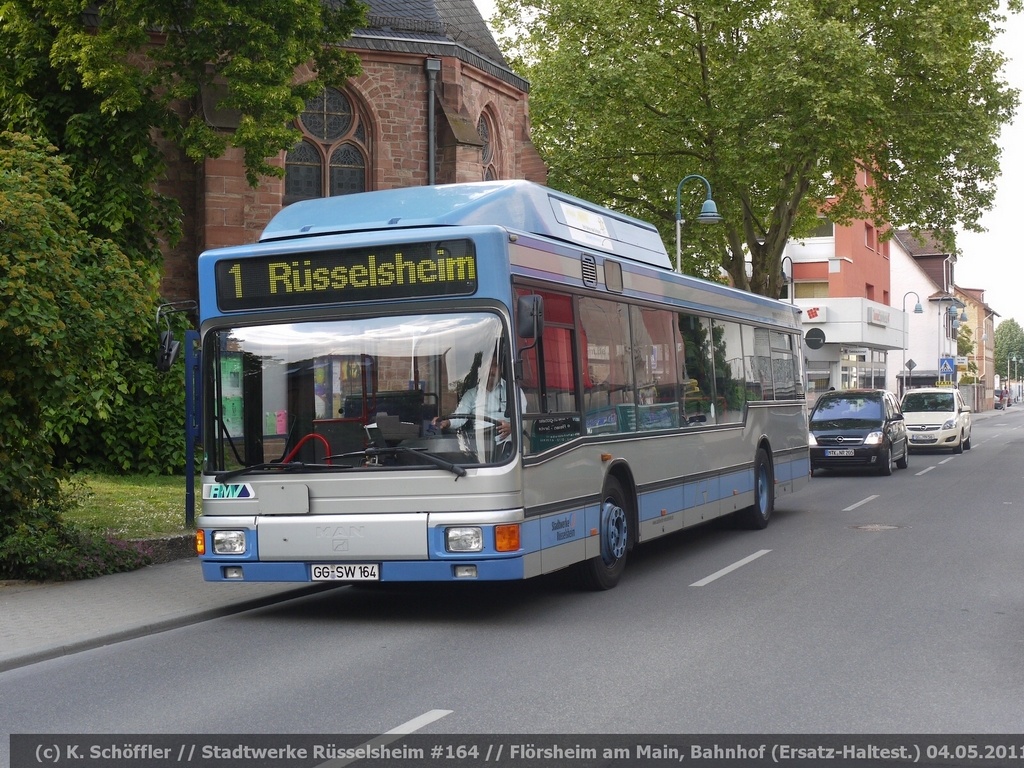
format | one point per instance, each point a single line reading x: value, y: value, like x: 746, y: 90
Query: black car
x: 854, y: 428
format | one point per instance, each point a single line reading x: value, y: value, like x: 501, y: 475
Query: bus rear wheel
x: 605, y: 570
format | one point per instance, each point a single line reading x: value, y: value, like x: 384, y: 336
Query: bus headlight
x: 464, y: 539
x: 229, y: 542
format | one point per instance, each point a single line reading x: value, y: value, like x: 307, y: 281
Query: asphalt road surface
x: 869, y: 605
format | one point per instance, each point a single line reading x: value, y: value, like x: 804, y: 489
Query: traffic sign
x: 814, y: 338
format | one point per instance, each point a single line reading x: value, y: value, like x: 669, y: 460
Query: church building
x: 436, y: 103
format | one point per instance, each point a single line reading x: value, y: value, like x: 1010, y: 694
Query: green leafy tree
x: 1008, y: 342
x: 168, y: 63
x: 112, y: 86
x: 58, y: 331
x: 965, y: 348
x: 782, y: 106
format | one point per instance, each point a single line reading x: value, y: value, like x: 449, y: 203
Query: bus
x: 338, y: 350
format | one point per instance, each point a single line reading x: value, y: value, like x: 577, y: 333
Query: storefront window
x: 862, y: 368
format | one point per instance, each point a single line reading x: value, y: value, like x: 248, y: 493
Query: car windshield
x: 933, y: 402
x: 858, y: 408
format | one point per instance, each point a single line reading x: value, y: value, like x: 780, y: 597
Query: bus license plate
x: 345, y: 572
x: 839, y: 452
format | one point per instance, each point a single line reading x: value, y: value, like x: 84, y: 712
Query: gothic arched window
x: 331, y: 159
x: 485, y: 131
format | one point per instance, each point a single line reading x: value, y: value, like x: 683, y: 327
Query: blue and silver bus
x: 479, y: 382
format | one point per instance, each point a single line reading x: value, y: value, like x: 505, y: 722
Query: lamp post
x: 918, y: 310
x: 1006, y: 389
x: 1015, y: 376
x: 791, y: 279
x: 941, y: 334
x: 953, y: 341
x: 708, y: 214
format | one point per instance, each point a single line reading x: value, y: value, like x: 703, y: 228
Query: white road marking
x: 924, y: 471
x: 395, y: 733
x: 729, y: 568
x: 860, y: 503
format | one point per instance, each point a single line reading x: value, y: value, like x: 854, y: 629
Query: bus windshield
x: 365, y: 393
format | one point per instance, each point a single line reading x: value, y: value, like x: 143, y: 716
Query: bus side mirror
x: 169, y: 349
x: 530, y: 317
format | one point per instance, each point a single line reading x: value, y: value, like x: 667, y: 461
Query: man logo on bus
x: 339, y: 532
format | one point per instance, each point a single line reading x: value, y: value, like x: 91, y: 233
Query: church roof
x: 434, y: 28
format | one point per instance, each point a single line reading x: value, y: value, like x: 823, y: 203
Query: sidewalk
x: 43, y: 621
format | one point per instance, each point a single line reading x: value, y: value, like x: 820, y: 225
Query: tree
x: 58, y: 322
x: 1008, y: 342
x: 782, y: 106
x: 164, y: 62
x: 965, y: 348
x: 109, y: 85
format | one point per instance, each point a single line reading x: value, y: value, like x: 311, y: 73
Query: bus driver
x: 494, y: 406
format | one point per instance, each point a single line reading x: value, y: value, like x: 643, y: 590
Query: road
x: 869, y: 605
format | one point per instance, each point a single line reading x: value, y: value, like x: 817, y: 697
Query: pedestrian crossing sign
x: 946, y: 366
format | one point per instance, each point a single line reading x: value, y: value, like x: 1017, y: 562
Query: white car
x: 937, y: 417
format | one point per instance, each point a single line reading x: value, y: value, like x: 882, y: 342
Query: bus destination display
x: 408, y: 270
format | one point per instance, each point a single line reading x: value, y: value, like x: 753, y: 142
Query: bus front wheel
x: 604, y: 571
x: 758, y: 515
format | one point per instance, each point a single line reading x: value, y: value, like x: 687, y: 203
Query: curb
x: 164, y: 549
x: 143, y: 630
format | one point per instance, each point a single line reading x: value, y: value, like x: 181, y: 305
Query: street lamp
x: 708, y: 213
x: 1006, y: 389
x: 940, y: 337
x: 791, y: 279
x: 918, y: 310
x: 1015, y: 376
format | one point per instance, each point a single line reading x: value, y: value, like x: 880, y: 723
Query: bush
x: 58, y: 551
x: 144, y: 432
x: 68, y: 302
x: 40, y: 545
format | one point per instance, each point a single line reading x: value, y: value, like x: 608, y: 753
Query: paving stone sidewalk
x: 43, y: 621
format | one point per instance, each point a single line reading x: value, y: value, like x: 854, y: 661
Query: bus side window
x: 549, y: 380
x: 762, y: 357
x: 609, y: 393
x: 697, y: 403
x: 730, y: 388
x: 654, y: 341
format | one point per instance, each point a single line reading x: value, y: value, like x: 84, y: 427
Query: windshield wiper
x: 290, y: 466
x: 437, y: 461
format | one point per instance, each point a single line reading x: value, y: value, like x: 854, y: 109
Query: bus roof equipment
x: 522, y: 205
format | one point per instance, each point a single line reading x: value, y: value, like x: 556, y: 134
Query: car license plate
x: 839, y: 452
x: 921, y: 439
x: 345, y: 572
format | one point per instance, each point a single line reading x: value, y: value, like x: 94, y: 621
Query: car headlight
x: 229, y: 542
x: 949, y: 423
x: 811, y: 441
x: 873, y: 438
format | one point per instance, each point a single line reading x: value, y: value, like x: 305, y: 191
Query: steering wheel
x: 472, y: 417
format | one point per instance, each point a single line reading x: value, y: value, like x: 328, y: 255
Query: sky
x: 992, y: 261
